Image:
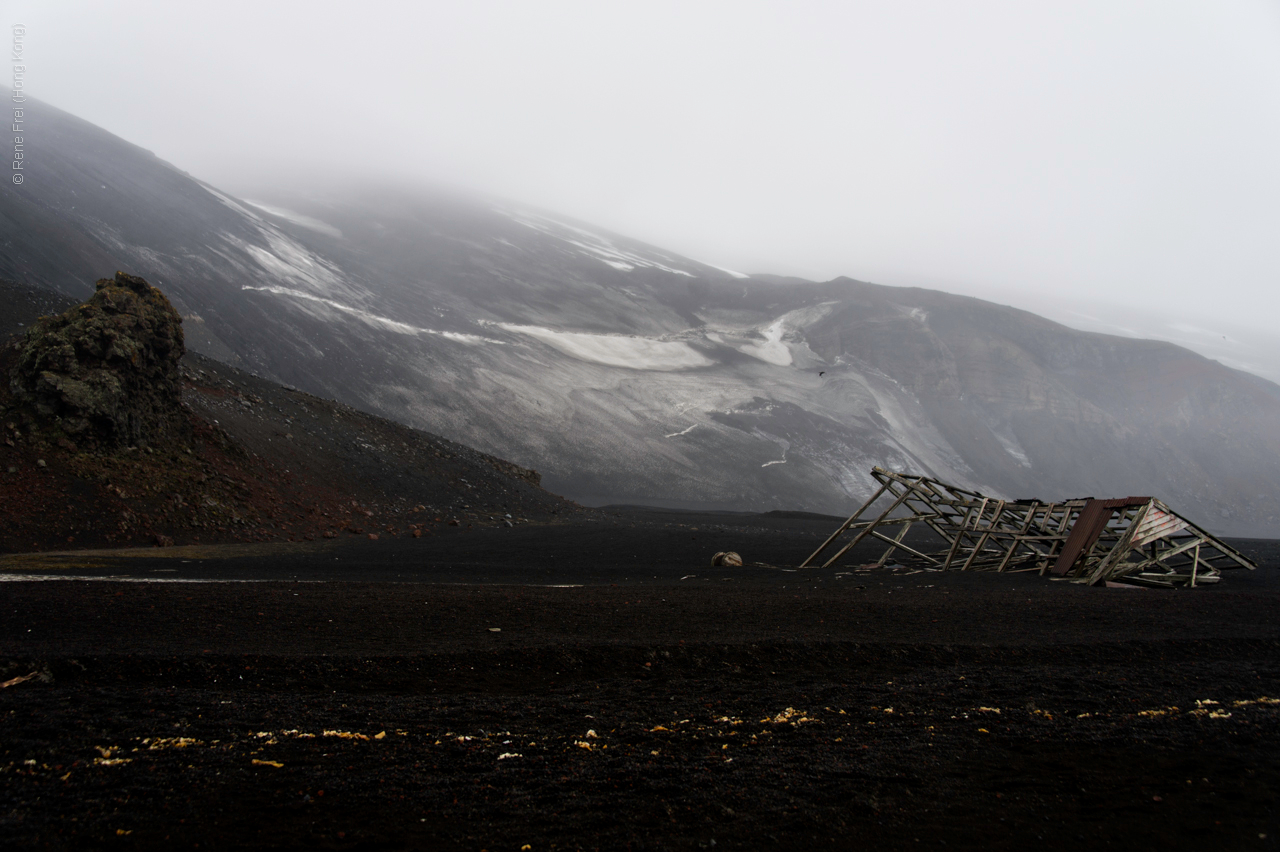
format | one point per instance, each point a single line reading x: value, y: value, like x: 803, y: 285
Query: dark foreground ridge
x: 111, y: 436
x: 597, y: 685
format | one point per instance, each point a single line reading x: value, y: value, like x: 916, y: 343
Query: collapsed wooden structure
x: 1136, y: 540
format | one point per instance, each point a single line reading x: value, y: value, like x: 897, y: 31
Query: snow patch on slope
x: 773, y: 350
x: 633, y: 353
x: 297, y: 218
x: 372, y: 318
x: 291, y: 263
x: 729, y: 272
x: 280, y: 256
x: 783, y: 443
x: 1013, y: 448
x: 231, y: 202
x: 590, y: 244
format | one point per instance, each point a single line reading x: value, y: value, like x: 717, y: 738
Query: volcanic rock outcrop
x: 106, y: 371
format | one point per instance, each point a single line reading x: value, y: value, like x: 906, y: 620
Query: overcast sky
x: 1091, y: 152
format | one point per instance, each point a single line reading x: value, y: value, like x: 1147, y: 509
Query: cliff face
x: 106, y: 372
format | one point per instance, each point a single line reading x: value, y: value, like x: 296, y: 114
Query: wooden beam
x: 846, y: 524
x: 860, y: 536
x: 897, y: 545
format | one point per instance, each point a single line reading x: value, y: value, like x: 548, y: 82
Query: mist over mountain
x: 625, y: 373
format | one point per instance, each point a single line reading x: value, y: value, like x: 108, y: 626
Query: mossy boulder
x: 106, y: 371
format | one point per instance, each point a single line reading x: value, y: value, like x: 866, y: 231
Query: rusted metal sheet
x: 1088, y: 527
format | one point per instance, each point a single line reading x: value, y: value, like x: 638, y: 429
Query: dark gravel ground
x: 594, y: 684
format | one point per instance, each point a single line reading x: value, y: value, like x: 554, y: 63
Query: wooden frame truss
x: 1131, y: 539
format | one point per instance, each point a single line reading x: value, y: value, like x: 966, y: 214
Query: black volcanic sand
x: 596, y: 685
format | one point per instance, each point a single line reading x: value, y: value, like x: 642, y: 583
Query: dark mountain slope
x: 254, y: 461
x: 1097, y: 414
x: 628, y: 374
x: 24, y: 304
